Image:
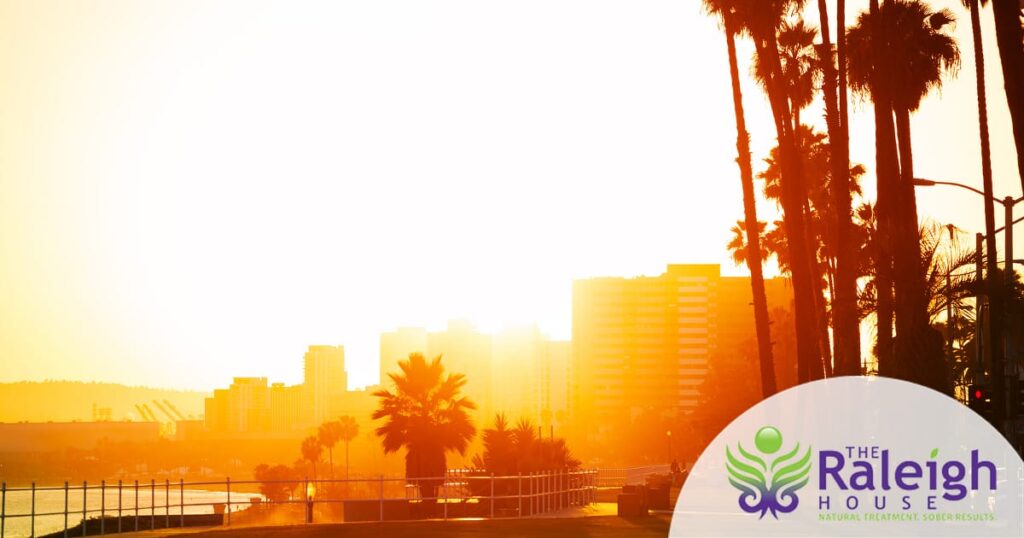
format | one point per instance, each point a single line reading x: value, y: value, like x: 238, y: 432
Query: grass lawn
x: 601, y: 526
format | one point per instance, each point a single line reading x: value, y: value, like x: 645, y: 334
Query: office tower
x: 465, y: 350
x: 324, y: 378
x: 644, y: 344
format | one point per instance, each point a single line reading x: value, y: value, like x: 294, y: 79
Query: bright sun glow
x: 191, y: 190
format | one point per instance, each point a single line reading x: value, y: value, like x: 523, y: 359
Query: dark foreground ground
x: 589, y: 527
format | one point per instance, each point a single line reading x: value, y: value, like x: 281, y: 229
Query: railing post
x: 65, y: 509
x: 33, y: 517
x: 85, y: 497
x: 167, y: 503
x: 119, y: 506
x: 305, y: 500
x: 381, y: 498
x: 492, y: 495
x: 181, y: 501
x: 136, y: 506
x: 3, y: 507
x: 519, y: 512
x: 445, y: 486
x: 103, y: 507
x: 152, y: 504
x: 228, y: 486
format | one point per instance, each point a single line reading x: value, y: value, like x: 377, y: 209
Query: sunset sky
x: 194, y: 190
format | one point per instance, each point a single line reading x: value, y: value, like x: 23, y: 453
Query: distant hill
x: 63, y: 401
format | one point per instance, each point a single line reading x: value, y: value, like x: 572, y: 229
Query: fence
x: 109, y: 508
x: 628, y: 476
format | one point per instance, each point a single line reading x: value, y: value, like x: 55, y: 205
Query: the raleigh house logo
x: 768, y: 484
x: 857, y: 483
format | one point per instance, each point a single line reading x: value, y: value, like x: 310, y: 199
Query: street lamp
x: 1007, y: 203
x: 998, y: 362
x: 669, y: 435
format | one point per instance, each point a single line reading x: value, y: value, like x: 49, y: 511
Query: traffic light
x: 979, y: 398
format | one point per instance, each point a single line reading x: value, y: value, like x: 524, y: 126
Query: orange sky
x: 195, y: 190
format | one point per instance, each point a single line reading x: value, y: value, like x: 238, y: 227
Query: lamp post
x: 668, y: 434
x: 995, y: 312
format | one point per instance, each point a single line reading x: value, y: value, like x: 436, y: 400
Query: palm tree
x: 348, y: 430
x: 328, y: 435
x: 898, y: 54
x: 427, y: 415
x: 754, y: 259
x: 986, y: 152
x: 1010, y: 39
x: 845, y: 321
x: 312, y: 451
x: 762, y: 19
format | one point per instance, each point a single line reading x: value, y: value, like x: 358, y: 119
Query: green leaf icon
x: 935, y: 452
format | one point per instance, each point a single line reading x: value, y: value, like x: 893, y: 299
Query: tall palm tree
x: 328, y: 435
x: 845, y: 320
x: 986, y: 152
x: 754, y: 259
x: 898, y: 54
x: 762, y: 19
x: 1010, y: 39
x: 312, y: 451
x: 426, y: 414
x: 348, y: 429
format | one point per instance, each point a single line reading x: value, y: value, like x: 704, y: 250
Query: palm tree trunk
x: 1010, y: 38
x: 845, y: 321
x: 888, y: 173
x: 986, y: 151
x: 918, y: 345
x: 761, y: 320
x: 794, y: 220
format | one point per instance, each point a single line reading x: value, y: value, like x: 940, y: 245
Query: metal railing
x: 629, y: 476
x: 107, y: 508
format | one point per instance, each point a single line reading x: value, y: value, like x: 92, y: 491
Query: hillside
x: 61, y: 401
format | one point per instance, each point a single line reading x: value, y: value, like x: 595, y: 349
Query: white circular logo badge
x: 855, y: 456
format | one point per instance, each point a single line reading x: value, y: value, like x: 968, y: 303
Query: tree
x: 312, y: 451
x: 754, y: 258
x: 898, y: 54
x: 986, y: 152
x: 276, y: 483
x: 761, y: 19
x: 1010, y: 39
x: 845, y: 322
x: 349, y: 429
x: 328, y: 435
x: 427, y: 415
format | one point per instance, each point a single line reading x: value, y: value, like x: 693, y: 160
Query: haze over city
x: 174, y: 212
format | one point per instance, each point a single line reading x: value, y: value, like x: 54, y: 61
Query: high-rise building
x: 325, y: 378
x: 467, y: 351
x: 644, y: 344
x: 397, y: 345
